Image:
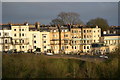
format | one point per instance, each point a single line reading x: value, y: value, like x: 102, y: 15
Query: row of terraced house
x: 59, y: 39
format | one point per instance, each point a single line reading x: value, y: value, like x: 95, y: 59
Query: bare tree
x: 67, y: 18
x: 57, y: 21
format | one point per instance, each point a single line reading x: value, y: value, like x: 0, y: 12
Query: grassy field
x: 41, y: 66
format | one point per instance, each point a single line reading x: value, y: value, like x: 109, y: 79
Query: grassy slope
x: 40, y: 66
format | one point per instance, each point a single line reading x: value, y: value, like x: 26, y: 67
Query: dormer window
x: 54, y: 30
x: 65, y: 30
x: 62, y: 30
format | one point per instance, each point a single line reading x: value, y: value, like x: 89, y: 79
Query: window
x: 84, y: 31
x: 90, y: 36
x: 72, y: 31
x: 55, y: 47
x: 19, y: 29
x: 55, y: 35
x: 84, y: 41
x: 62, y: 30
x: 23, y: 34
x: 75, y: 47
x: 44, y: 36
x: 65, y: 30
x: 0, y: 34
x: 87, y: 47
x: 90, y: 41
x: 22, y: 46
x: 14, y: 29
x: 76, y: 31
x: 22, y: 29
x: 72, y: 47
x: 87, y: 36
x: 75, y: 42
x: 54, y: 31
x: 6, y: 47
x: 105, y: 41
x: 75, y: 37
x: 65, y: 41
x: 72, y: 41
x: 20, y: 34
x: 22, y: 41
x: 84, y: 36
x: 34, y: 41
x: 65, y: 35
x: 87, y: 31
x: 34, y: 36
x: 87, y: 41
x: 15, y: 41
x: 6, y: 34
x: 6, y: 41
x: 44, y: 46
x: 44, y: 41
x: 34, y: 47
x: 84, y: 47
x: 66, y: 47
x: 62, y: 47
x: 14, y: 34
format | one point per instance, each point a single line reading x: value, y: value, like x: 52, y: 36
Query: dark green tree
x: 102, y: 23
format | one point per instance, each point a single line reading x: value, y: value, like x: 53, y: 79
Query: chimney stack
x: 96, y: 26
x: 37, y: 25
x: 26, y: 23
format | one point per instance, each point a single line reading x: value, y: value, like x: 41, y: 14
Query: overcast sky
x: 0, y: 12
x: 60, y: 0
x: 119, y: 13
x: 44, y: 12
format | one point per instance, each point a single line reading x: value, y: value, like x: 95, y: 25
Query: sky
x: 44, y: 12
x: 119, y: 13
x: 0, y: 12
x: 59, y: 0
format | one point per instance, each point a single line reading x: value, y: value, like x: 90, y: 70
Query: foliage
x: 102, y: 23
x: 40, y: 66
